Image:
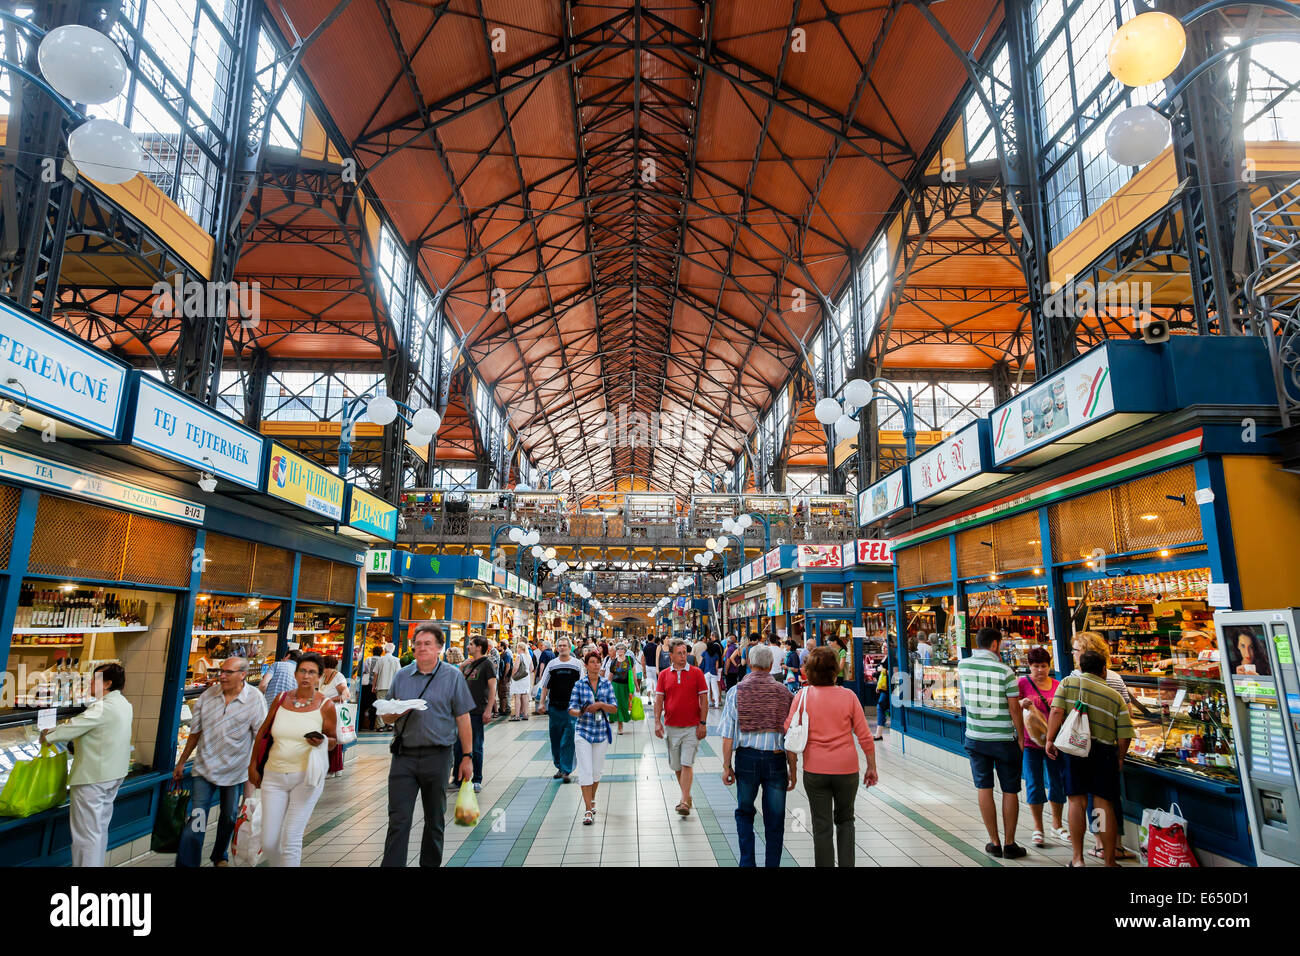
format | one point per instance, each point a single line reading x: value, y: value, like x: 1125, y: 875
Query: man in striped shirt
x: 753, y: 721
x: 994, y: 736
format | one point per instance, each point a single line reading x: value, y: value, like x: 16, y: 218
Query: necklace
x: 300, y: 703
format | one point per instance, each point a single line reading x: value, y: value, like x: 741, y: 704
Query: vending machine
x: 1257, y: 652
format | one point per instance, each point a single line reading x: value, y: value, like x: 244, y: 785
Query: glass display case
x: 935, y: 639
x: 1183, y: 720
x: 20, y: 741
x: 1150, y: 620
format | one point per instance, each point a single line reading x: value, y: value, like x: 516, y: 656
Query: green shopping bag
x: 36, y: 785
x: 638, y: 709
x: 173, y: 817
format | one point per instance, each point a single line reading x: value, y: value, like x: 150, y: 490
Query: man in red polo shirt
x: 682, y: 703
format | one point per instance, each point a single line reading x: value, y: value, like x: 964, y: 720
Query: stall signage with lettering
x: 372, y: 514
x: 882, y: 499
x: 949, y: 463
x: 484, y: 571
x: 848, y: 554
x: 306, y: 484
x: 874, y: 551
x: 45, y: 473
x: 772, y: 561
x: 820, y: 556
x: 1073, y: 397
x: 55, y: 373
x: 379, y: 562
x: 181, y: 429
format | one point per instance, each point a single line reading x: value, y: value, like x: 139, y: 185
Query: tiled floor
x: 919, y: 815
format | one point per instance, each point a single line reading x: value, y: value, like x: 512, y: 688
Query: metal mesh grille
x: 313, y: 579
x: 1155, y: 511
x: 158, y: 552
x: 78, y: 540
x: 9, y: 498
x: 1016, y: 543
x: 343, y: 583
x: 936, y: 561
x: 975, y: 552
x: 909, y: 567
x: 228, y: 563
x: 1145, y: 514
x: 1081, y: 526
x: 273, y: 571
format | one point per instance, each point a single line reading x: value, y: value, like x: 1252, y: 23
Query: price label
x: 1218, y: 595
x: 1283, y: 643
x: 45, y: 718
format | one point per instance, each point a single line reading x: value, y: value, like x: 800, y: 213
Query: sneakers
x: 478, y: 788
x: 1013, y: 851
x: 993, y: 849
x: 565, y: 777
x: 557, y: 775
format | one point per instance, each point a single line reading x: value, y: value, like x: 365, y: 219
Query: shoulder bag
x: 262, y: 746
x: 1075, y: 735
x: 796, y: 738
x: 395, y: 747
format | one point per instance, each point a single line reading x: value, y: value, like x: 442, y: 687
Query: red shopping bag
x: 1167, y: 846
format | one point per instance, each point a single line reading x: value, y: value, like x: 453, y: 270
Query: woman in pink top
x: 1043, y: 780
x: 830, y: 763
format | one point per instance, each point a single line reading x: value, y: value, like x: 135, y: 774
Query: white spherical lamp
x: 536, y: 552
x: 728, y: 525
x: 417, y: 439
x: 381, y: 410
x: 515, y: 534
x: 82, y: 64
x: 744, y: 522
x: 1136, y: 136
x: 723, y: 543
x: 845, y: 428
x: 827, y: 410
x: 427, y: 421
x: 857, y: 392
x: 711, y: 544
x: 105, y: 151
x: 550, y: 554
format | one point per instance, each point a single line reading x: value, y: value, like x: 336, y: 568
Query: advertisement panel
x: 298, y: 481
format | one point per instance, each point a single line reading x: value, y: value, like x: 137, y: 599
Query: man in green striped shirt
x: 994, y: 737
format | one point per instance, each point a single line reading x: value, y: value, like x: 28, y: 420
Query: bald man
x: 224, y: 723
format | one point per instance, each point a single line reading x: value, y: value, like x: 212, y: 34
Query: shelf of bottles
x: 61, y: 633
x: 228, y: 626
x: 1153, y: 622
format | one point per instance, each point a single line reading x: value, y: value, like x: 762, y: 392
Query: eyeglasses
x: 230, y: 673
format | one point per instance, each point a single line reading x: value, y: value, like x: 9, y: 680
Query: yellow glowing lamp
x: 1146, y: 49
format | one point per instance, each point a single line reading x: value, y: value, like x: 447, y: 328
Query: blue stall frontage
x: 113, y: 549
x: 1045, y: 533
x: 462, y: 593
x: 819, y: 592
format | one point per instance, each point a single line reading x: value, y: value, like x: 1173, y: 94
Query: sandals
x: 1037, y: 838
x: 589, y: 818
x: 684, y: 809
x: 1120, y: 853
x: 1061, y: 833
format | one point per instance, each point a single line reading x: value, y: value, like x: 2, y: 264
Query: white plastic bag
x: 1155, y: 817
x: 246, y: 845
x: 386, y: 707
x: 1075, y: 735
x: 346, y: 728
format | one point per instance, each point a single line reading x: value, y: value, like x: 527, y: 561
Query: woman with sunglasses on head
x: 591, y: 701
x: 293, y: 763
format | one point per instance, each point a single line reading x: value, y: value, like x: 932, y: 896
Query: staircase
x: 1274, y: 292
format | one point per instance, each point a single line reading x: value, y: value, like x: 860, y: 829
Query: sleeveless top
x: 289, y: 748
x: 618, y: 672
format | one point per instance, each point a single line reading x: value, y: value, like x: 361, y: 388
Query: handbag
x: 521, y: 669
x: 35, y: 785
x: 796, y: 738
x: 173, y: 817
x: 1075, y: 735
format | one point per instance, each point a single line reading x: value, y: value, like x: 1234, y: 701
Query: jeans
x: 766, y: 769
x: 476, y: 747
x: 423, y: 773
x: 287, y: 803
x: 1038, y: 765
x: 563, y: 725
x: 204, y: 793
x: 830, y: 798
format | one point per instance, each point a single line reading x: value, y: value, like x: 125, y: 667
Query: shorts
x: 1002, y: 756
x: 682, y: 746
x: 1094, y: 775
x: 589, y: 760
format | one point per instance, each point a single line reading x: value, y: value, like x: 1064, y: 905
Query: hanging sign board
x: 55, y: 373
x: 886, y: 497
x: 819, y: 556
x: 65, y: 479
x: 179, y: 428
x: 298, y: 481
x: 371, y: 514
x: 874, y: 551
x: 953, y: 467
x: 772, y: 561
x: 379, y: 562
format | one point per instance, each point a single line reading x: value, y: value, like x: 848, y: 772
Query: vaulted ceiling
x: 634, y: 211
